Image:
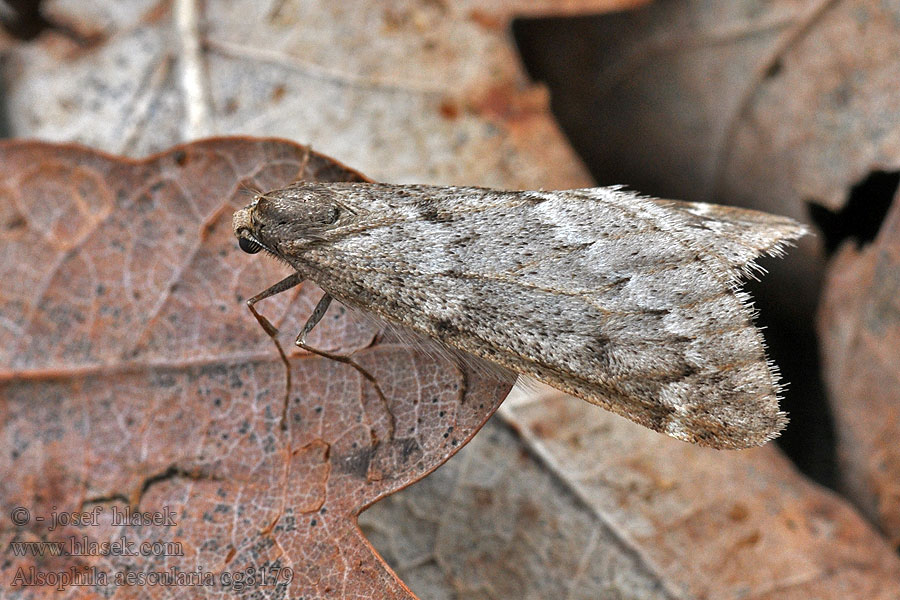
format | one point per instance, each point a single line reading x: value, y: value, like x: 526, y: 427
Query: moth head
x: 242, y: 224
x: 280, y: 220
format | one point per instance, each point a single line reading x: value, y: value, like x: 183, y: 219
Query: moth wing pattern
x: 628, y: 302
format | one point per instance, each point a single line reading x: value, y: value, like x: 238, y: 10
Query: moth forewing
x: 630, y: 303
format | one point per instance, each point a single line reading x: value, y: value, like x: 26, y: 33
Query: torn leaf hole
x: 862, y: 214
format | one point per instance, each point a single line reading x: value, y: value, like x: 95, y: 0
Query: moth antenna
x: 249, y: 189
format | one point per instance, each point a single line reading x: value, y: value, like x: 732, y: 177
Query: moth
x: 628, y: 302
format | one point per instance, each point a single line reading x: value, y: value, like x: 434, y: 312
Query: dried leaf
x: 711, y: 524
x: 440, y: 97
x: 581, y: 503
x: 495, y: 522
x: 133, y: 376
x: 438, y: 94
x: 859, y: 324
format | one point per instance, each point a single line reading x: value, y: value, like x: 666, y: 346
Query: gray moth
x: 628, y: 302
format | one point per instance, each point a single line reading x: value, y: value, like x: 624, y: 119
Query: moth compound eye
x: 249, y: 246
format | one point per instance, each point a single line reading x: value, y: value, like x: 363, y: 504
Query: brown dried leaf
x: 495, y: 522
x: 579, y: 503
x: 710, y: 524
x: 133, y: 375
x: 859, y: 324
x: 437, y: 95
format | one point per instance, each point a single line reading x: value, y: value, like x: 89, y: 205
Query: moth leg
x: 313, y: 320
x: 272, y: 331
x: 316, y: 316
